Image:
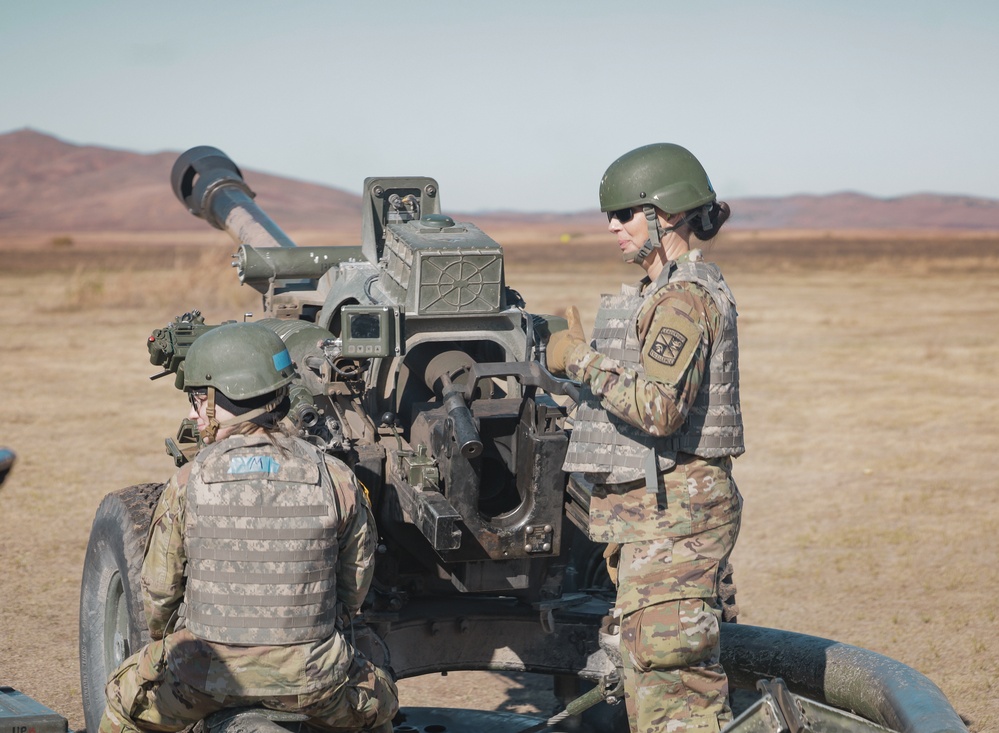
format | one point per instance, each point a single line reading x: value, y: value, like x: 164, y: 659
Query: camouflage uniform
x: 182, y: 677
x: 663, y: 497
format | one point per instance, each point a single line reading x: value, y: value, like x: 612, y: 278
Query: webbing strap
x: 273, y: 512
x: 266, y: 622
x: 214, y: 576
x: 212, y: 429
x: 232, y: 599
x: 243, y: 553
x: 705, y: 443
x: 656, y: 233
x: 289, y: 534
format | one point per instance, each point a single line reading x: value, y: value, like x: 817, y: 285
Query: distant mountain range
x: 50, y: 185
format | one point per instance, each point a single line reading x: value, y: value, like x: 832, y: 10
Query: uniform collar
x: 692, y: 255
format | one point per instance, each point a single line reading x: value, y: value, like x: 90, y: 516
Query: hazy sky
x: 522, y: 104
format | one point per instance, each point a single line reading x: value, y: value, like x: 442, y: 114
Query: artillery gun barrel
x: 212, y: 188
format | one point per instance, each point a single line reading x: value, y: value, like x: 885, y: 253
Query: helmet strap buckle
x: 656, y: 233
x: 706, y: 224
x: 212, y: 429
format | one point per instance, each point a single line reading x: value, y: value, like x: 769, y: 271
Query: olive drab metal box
x: 20, y: 714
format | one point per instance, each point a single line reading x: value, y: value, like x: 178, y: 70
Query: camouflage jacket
x: 658, y: 402
x: 287, y: 669
x: 697, y: 493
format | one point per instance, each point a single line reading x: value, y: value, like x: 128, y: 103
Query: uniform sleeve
x: 675, y: 344
x: 162, y: 577
x: 358, y: 536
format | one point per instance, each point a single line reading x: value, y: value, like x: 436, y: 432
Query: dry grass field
x: 870, y: 391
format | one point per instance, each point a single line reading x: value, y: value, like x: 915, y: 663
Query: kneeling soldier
x: 257, y: 550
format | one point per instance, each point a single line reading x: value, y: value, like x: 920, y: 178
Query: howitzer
x: 390, y: 339
x: 419, y: 367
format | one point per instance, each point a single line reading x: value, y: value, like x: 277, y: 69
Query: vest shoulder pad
x: 240, y: 458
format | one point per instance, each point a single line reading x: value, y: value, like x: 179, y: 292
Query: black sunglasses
x: 197, y: 396
x: 622, y: 215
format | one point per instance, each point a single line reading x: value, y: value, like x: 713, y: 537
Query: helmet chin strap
x: 656, y: 233
x: 210, y: 433
x: 212, y: 429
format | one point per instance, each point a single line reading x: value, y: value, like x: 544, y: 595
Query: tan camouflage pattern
x: 613, y: 328
x: 175, y: 682
x: 162, y: 576
x: 660, y: 408
x: 695, y: 495
x: 657, y: 408
x: 661, y: 375
x: 667, y: 593
x: 261, y: 533
x: 673, y: 526
x: 673, y: 678
x: 179, y: 679
x: 163, y: 580
x: 673, y: 568
x: 714, y: 422
x: 602, y: 442
x: 670, y: 341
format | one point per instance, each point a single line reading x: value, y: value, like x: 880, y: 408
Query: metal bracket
x: 785, y: 711
x: 538, y: 538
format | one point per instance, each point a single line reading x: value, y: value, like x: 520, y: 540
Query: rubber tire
x: 112, y: 622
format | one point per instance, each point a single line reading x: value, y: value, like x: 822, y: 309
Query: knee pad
x: 671, y: 635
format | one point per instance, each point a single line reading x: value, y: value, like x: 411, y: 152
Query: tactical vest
x: 615, y: 452
x: 261, y: 536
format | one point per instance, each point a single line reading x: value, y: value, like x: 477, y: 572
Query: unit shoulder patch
x: 670, y: 345
x: 667, y: 346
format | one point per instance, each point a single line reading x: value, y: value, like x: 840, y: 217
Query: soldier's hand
x: 344, y: 617
x: 612, y: 555
x: 561, y: 343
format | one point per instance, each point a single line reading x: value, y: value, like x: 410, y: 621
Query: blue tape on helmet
x: 282, y: 360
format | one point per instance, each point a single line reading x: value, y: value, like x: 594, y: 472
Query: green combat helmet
x: 661, y: 175
x: 241, y: 361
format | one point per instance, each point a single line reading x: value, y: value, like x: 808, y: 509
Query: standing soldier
x: 655, y: 433
x: 259, y: 552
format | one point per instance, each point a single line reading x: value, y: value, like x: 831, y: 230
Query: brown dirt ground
x: 869, y: 384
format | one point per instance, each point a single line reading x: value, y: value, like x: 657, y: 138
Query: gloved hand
x: 612, y: 554
x: 562, y: 343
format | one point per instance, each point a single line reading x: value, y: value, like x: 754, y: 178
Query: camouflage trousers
x: 146, y: 695
x: 673, y: 678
